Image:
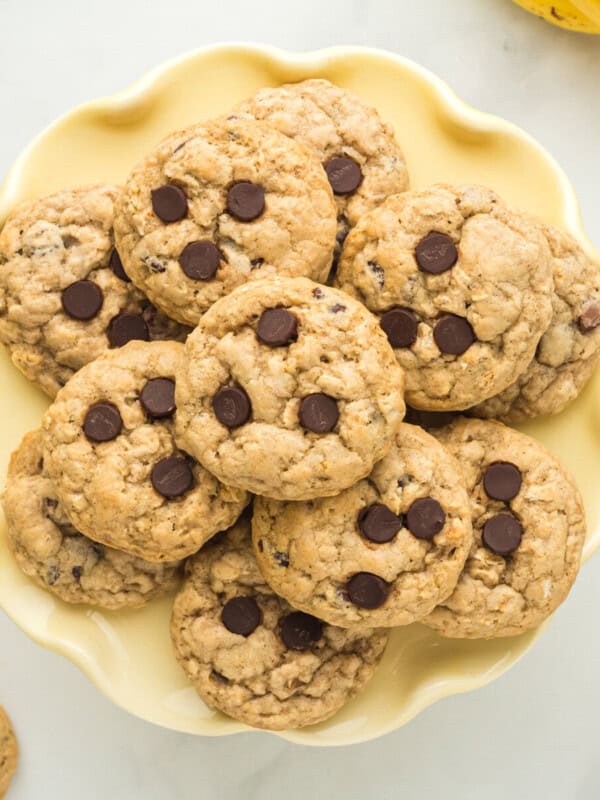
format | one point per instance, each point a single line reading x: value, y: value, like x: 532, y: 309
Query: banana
x: 576, y: 15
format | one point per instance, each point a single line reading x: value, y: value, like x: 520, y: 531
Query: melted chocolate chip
x: 318, y: 413
x: 425, y: 518
x: 300, y: 631
x: 82, y: 300
x: 241, y: 615
x: 277, y: 327
x: 102, y: 422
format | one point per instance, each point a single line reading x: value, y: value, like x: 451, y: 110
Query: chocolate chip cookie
x: 64, y: 296
x: 9, y: 752
x: 219, y: 204
x: 462, y: 288
x: 383, y: 552
x: 252, y: 656
x: 568, y: 351
x: 363, y: 161
x: 528, y: 526
x: 110, y: 453
x: 288, y: 389
x: 59, y: 558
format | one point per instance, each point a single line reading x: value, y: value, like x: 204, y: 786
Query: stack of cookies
x: 230, y: 340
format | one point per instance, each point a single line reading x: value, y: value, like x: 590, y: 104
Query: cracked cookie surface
x: 462, y: 285
x: 316, y: 410
x: 53, y: 243
x: 285, y: 669
x: 9, y: 752
x: 513, y: 587
x: 214, y: 235
x: 59, y: 558
x: 111, y: 460
x: 310, y: 552
x: 569, y: 350
x: 336, y: 124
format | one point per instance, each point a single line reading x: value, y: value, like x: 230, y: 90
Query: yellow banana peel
x: 575, y: 15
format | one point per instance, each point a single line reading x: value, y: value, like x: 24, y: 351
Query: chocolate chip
x: 172, y: 477
x: 425, y: 518
x: 436, y: 253
x: 82, y: 299
x: 377, y: 272
x: 378, y: 523
x: 200, y: 260
x: 502, y: 480
x: 277, y: 327
x: 344, y: 174
x: 366, y: 590
x: 400, y: 326
x: 125, y: 327
x: 158, y: 397
x: 429, y: 419
x: 590, y: 318
x: 154, y: 264
x: 318, y: 293
x: 116, y: 265
x: 502, y: 534
x: 300, y: 631
x: 453, y: 335
x: 246, y: 200
x: 318, y: 412
x: 102, y: 422
x: 169, y: 203
x: 337, y: 308
x: 77, y: 572
x: 241, y: 615
x: 256, y: 263
x: 282, y: 559
x: 232, y: 406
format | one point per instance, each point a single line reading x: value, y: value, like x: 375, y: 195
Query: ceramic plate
x: 128, y: 654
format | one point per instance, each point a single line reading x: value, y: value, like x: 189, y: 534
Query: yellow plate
x: 128, y: 655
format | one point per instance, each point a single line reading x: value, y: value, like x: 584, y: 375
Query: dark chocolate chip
x: 502, y: 480
x: 241, y: 615
x: 429, y: 419
x: 436, y: 253
x: 77, y: 572
x: 378, y: 273
x: 378, y: 523
x: 232, y: 406
x: 337, y: 308
x: 116, y: 265
x: 344, y: 174
x: 282, y: 559
x: 200, y: 260
x: 590, y: 318
x: 425, y: 518
x: 453, y: 335
x: 318, y: 293
x: 169, y: 203
x: 318, y: 412
x: 82, y: 299
x: 366, y: 590
x: 125, y: 327
x: 256, y: 263
x: 502, y: 534
x: 246, y: 200
x: 400, y: 326
x: 172, y: 476
x: 102, y: 422
x: 158, y: 397
x: 277, y: 327
x: 300, y: 631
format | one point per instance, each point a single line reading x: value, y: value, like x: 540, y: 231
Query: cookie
x: 361, y: 157
x: 110, y: 453
x: 251, y: 655
x: 384, y: 552
x: 64, y: 297
x: 528, y: 527
x: 9, y: 752
x: 219, y: 204
x: 462, y: 287
x: 59, y: 558
x: 288, y: 389
x: 568, y: 351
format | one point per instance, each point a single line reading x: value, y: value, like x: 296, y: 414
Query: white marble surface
x: 531, y: 734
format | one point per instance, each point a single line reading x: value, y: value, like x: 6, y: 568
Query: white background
x: 531, y: 734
